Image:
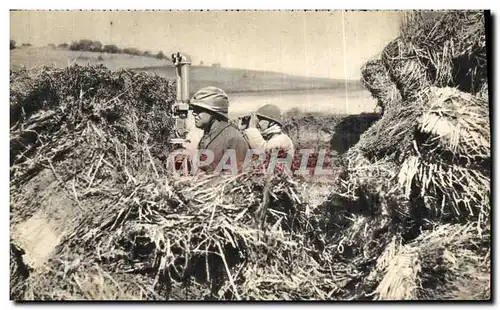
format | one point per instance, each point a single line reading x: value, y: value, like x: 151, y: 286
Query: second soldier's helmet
x: 270, y: 112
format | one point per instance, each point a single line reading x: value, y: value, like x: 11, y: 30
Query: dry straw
x: 445, y: 48
x: 452, y: 44
x: 182, y: 232
x: 458, y: 122
x: 407, y: 68
x: 456, y: 265
x: 461, y: 192
x: 435, y: 147
x: 392, y: 135
x: 464, y: 29
x: 451, y: 158
x: 93, y: 120
x: 378, y: 81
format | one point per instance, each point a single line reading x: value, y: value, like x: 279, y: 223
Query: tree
x: 110, y: 48
x: 12, y: 44
x: 96, y: 46
x: 131, y: 51
x: 63, y: 45
x: 160, y: 55
x: 74, y: 46
x: 82, y: 45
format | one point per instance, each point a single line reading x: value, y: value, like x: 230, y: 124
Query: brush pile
x: 377, y: 80
x: 78, y: 131
x: 442, y: 48
x: 86, y: 158
x: 73, y: 127
x: 418, y: 181
x: 180, y: 240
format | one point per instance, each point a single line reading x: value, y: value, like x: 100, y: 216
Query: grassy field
x: 60, y: 58
x: 229, y: 79
x: 241, y: 80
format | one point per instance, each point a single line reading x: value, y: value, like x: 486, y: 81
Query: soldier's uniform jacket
x: 223, y: 136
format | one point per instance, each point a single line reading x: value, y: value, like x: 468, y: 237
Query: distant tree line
x: 13, y: 44
x: 96, y: 46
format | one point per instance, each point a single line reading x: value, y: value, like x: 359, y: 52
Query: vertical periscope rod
x: 185, y: 81
x: 181, y: 106
x: 182, y: 65
x: 179, y: 82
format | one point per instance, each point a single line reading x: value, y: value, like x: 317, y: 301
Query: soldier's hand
x: 252, y: 123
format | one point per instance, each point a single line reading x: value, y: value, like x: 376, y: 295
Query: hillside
x: 241, y: 80
x: 229, y: 79
x: 59, y: 58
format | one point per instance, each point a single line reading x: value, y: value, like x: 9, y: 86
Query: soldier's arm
x: 256, y: 140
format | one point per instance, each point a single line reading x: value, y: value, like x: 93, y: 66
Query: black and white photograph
x: 250, y: 155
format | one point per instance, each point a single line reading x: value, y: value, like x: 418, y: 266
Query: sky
x: 333, y: 44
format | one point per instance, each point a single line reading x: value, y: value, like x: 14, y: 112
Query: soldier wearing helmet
x: 264, y: 130
x: 209, y: 106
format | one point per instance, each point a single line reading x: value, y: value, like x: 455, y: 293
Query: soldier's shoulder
x: 234, y: 135
x: 233, y: 131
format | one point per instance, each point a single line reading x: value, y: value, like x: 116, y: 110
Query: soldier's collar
x: 216, y: 124
x: 215, y: 130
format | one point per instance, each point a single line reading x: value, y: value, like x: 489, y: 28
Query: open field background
x: 230, y: 79
x: 30, y: 56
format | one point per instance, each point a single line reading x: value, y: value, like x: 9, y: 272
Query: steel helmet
x: 211, y: 98
x: 270, y: 112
